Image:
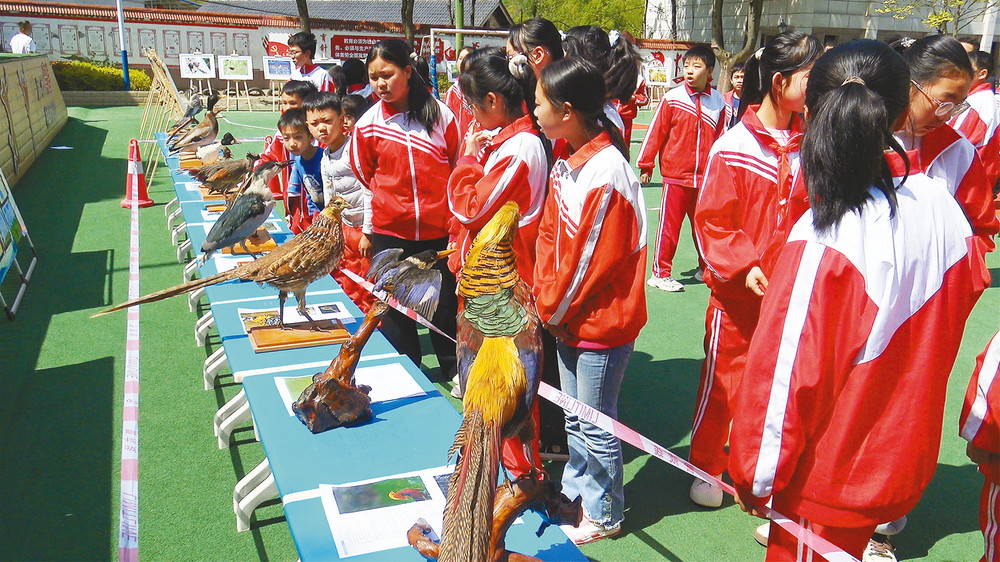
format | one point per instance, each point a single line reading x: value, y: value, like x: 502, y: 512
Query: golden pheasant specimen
x: 499, y: 361
x: 290, y: 268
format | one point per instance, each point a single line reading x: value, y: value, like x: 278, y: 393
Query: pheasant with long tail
x: 290, y: 268
x: 499, y: 362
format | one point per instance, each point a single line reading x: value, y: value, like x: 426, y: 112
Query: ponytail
x: 579, y: 83
x: 616, y: 135
x: 423, y: 108
x: 855, y: 94
x: 784, y: 55
x: 623, y: 70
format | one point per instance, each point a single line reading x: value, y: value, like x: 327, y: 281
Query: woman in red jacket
x: 403, y: 150
x: 847, y: 372
x: 589, y: 270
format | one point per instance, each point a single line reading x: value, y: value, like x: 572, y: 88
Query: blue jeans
x: 594, y: 471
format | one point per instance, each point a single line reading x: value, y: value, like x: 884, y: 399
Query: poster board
x: 12, y: 232
x: 277, y: 68
x: 197, y: 66
x: 658, y: 76
x: 235, y: 68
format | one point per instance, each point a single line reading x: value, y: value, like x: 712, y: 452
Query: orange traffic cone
x: 136, y: 178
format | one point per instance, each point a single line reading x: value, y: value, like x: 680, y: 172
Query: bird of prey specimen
x: 245, y: 215
x: 223, y: 176
x: 202, y: 134
x: 209, y: 154
x: 411, y: 281
x: 499, y: 363
x: 290, y: 268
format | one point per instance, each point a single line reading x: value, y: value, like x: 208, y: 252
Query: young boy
x: 308, y: 158
x: 354, y: 106
x: 292, y: 94
x: 326, y: 117
x: 732, y: 97
x: 687, y: 121
x: 302, y: 49
x: 980, y: 122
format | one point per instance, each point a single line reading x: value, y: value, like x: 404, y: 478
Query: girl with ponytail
x: 741, y: 205
x: 593, y: 44
x: 846, y: 376
x: 403, y: 150
x: 588, y: 283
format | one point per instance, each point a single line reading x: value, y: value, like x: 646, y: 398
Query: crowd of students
x: 841, y: 225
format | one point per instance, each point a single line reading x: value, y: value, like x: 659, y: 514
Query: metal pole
x: 434, y: 72
x: 121, y: 42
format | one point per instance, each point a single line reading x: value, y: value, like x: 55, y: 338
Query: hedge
x: 79, y: 76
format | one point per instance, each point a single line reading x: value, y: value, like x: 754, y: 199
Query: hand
x: 475, y: 141
x: 645, y: 177
x: 365, y: 246
x: 757, y: 281
x: 747, y: 505
x: 562, y: 332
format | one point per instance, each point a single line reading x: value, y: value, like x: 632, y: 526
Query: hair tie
x: 614, y: 35
x: 518, y: 66
x: 414, y: 55
x: 758, y: 53
x: 907, y: 41
x: 854, y: 80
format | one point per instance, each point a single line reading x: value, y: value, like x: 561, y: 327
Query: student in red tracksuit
x: 630, y: 109
x: 979, y: 123
x: 403, y: 150
x: 591, y: 261
x: 293, y: 93
x: 506, y: 161
x: 302, y: 49
x: 687, y: 122
x: 454, y: 99
x: 839, y: 412
x: 979, y: 424
x: 741, y: 206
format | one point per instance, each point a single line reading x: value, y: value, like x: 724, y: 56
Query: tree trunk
x: 725, y: 58
x: 408, y: 28
x: 303, y: 15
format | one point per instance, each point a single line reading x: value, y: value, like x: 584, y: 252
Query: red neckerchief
x: 763, y: 136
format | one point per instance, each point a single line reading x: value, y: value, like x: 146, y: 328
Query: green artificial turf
x: 61, y: 394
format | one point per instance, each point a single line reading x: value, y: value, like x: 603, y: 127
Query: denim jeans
x: 594, y: 471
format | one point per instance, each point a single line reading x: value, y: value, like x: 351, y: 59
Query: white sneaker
x: 706, y: 494
x: 879, y: 552
x: 668, y: 284
x: 892, y: 527
x: 761, y: 533
x: 588, y: 531
x: 456, y: 390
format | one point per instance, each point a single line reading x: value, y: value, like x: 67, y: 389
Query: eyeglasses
x: 294, y: 52
x: 943, y: 109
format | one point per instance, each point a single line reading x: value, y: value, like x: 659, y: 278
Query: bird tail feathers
x: 172, y: 291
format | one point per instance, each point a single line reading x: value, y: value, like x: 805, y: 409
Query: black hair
x: 337, y: 74
x: 935, y: 57
x: 784, y: 54
x: 622, y: 76
x: 590, y: 43
x: 703, y: 53
x: 422, y: 106
x: 579, y: 83
x: 355, y: 105
x: 23, y: 25
x: 856, y: 91
x: 298, y: 88
x: 321, y: 101
x: 354, y: 73
x: 304, y: 41
x: 294, y: 118
x: 423, y: 68
x: 738, y: 67
x: 981, y: 60
x: 536, y: 32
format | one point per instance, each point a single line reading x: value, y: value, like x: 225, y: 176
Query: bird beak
x: 285, y: 163
x: 446, y: 253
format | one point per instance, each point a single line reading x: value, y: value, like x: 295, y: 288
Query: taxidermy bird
x: 333, y: 399
x: 193, y: 109
x: 202, y: 134
x: 410, y: 281
x: 499, y: 360
x: 209, y: 154
x: 290, y: 268
x: 314, y: 189
x: 226, y: 174
x: 246, y: 214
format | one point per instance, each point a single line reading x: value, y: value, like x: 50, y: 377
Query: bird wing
x: 419, y: 289
x: 240, y: 220
x: 382, y: 262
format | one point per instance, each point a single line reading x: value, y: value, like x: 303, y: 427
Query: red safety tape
x: 818, y: 544
x: 128, y: 523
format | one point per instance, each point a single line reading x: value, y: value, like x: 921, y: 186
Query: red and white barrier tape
x: 128, y: 527
x: 818, y: 544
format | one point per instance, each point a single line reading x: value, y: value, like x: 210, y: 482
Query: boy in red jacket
x: 688, y: 120
x: 981, y: 121
x: 980, y: 425
x: 292, y: 95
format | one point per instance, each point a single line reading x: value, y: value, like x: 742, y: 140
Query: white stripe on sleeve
x: 986, y: 375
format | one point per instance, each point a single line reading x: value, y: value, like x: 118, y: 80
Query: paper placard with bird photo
x: 197, y: 66
x: 235, y: 68
x: 269, y: 317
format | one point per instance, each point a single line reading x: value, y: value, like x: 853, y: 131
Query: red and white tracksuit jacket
x: 317, y: 75
x: 945, y: 156
x: 980, y: 425
x: 456, y: 102
x: 512, y: 168
x: 846, y: 377
x: 628, y: 111
x: 981, y: 125
x: 406, y: 167
x: 591, y: 251
x: 275, y: 151
x: 742, y: 202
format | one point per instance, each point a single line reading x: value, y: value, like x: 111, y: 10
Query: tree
x: 623, y: 15
x: 945, y: 16
x: 751, y: 29
x: 408, y: 28
x: 303, y: 15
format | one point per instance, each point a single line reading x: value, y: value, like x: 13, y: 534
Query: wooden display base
x: 259, y: 243
x: 188, y: 160
x: 273, y: 338
x: 207, y: 196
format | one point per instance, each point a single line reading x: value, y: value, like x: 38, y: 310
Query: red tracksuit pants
x: 727, y: 340
x: 356, y: 264
x: 989, y: 519
x: 783, y: 547
x: 676, y: 203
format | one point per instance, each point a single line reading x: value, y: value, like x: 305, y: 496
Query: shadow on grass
x: 956, y: 487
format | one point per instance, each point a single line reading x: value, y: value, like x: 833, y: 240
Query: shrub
x: 76, y: 76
